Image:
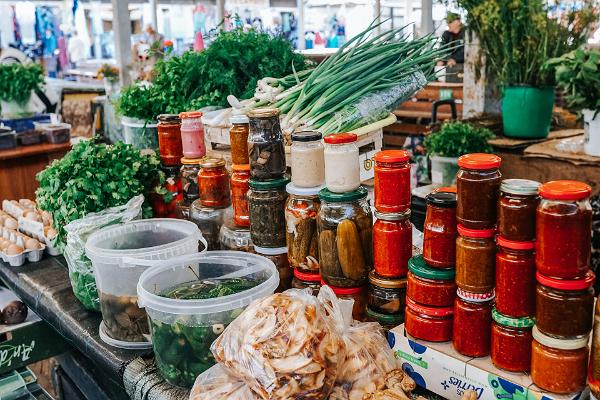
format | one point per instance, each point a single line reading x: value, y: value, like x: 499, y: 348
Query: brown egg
x: 32, y: 244
x: 11, y: 223
x: 49, y: 232
x: 13, y: 250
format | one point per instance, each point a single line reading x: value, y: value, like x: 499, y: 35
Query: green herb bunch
x: 17, y: 81
x: 457, y: 138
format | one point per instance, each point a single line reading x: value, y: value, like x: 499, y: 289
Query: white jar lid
x: 303, y: 191
x: 239, y: 119
x: 561, y: 344
x: 268, y: 251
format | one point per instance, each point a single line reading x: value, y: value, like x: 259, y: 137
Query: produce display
x: 17, y: 81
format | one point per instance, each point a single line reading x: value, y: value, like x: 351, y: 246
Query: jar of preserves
x: 308, y: 159
x: 239, y: 194
x: 169, y: 139
x: 266, y: 149
x: 238, y: 139
x: 345, y: 227
x: 386, y: 296
x: 475, y: 259
x: 594, y: 368
x: 358, y: 294
x: 192, y: 134
x: 515, y: 278
x: 472, y: 322
x: 304, y: 280
x: 559, y: 365
x: 477, y: 186
x: 517, y: 205
x: 301, y: 211
x: 511, y: 342
x: 392, y: 244
x: 563, y: 229
x: 564, y: 308
x: 387, y: 322
x: 439, y: 230
x: 392, y: 181
x: 213, y: 181
x: 428, y: 286
x: 280, y: 259
x: 172, y: 184
x: 190, y: 168
x: 233, y: 237
x: 209, y: 220
x: 266, y: 202
x: 342, y: 168
x: 433, y: 324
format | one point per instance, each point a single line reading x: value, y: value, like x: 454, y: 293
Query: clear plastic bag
x: 217, y: 384
x: 81, y: 272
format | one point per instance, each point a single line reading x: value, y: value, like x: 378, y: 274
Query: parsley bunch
x: 457, y: 138
x: 18, y: 80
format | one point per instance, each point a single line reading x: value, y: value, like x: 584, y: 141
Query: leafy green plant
x: 17, y: 81
x: 457, y: 138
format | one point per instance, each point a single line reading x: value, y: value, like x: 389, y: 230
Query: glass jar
x: 190, y: 168
x: 472, y: 321
x: 392, y: 181
x: 475, y: 260
x: 279, y: 257
x: 563, y: 229
x: 233, y: 237
x: 266, y: 202
x: 308, y: 159
x: 517, y: 204
x: 304, y: 280
x: 433, y: 324
x: 511, y: 342
x: 301, y: 211
x: 192, y: 134
x: 515, y: 278
x: 266, y: 149
x: 238, y: 139
x: 342, y: 168
x: 439, y: 230
x: 169, y: 139
x: 209, y: 220
x: 387, y: 322
x: 564, y: 308
x: 430, y: 286
x: 213, y: 181
x: 386, y: 296
x: 172, y: 184
x: 477, y: 186
x: 345, y: 227
x: 358, y: 294
x: 594, y: 368
x: 559, y: 365
x: 392, y: 244
x: 239, y: 194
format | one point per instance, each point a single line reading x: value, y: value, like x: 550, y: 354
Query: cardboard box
x: 439, y: 368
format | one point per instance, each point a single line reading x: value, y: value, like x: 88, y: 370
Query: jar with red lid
x: 517, y: 205
x: 564, y: 308
x: 238, y: 139
x: 477, y: 187
x: 430, y: 286
x: 475, y: 259
x: 192, y: 134
x: 433, y: 324
x: 515, y: 278
x: 511, y: 342
x: 304, y: 280
x: 392, y: 181
x: 358, y: 294
x: 439, y: 230
x: 392, y: 244
x: 564, y: 230
x: 301, y: 212
x: 239, y: 194
x: 386, y: 296
x: 169, y: 139
x: 213, y: 181
x: 342, y: 168
x: 472, y: 323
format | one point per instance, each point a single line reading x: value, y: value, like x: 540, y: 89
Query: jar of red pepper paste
x: 213, y: 181
x: 428, y: 286
x: 517, y: 205
x: 169, y: 139
x: 511, y: 342
x: 392, y: 181
x: 439, y: 232
x: 392, y: 244
x: 564, y: 229
x: 239, y: 194
x: 472, y: 323
x: 433, y: 324
x: 515, y: 278
x: 475, y: 259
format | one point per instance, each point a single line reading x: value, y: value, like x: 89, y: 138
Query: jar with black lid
x: 386, y: 296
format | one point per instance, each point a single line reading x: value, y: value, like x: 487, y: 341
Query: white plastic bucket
x: 443, y: 170
x: 142, y: 135
x: 591, y: 121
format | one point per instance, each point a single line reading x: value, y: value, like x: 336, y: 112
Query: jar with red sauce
x: 477, y: 186
x: 433, y: 324
x: 213, y: 181
x: 392, y: 244
x: 564, y: 229
x: 475, y: 259
x: 392, y: 181
x: 472, y: 323
x: 430, y: 286
x: 515, y: 278
x: 386, y: 296
x: 439, y: 231
x: 511, y: 342
x: 169, y: 139
x: 358, y: 294
x: 517, y: 205
x: 239, y: 194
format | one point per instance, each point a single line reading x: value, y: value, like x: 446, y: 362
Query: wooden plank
x: 420, y: 114
x: 431, y: 93
x: 394, y: 140
x: 426, y: 106
x: 412, y: 129
x: 35, y: 149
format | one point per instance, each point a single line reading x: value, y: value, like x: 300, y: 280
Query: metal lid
x: 327, y: 195
x: 263, y: 113
x: 561, y: 344
x: 441, y: 199
x: 269, y: 183
x: 302, y: 191
x: 306, y: 136
x: 239, y: 119
x: 240, y: 167
x: 417, y: 266
x: 268, y: 251
x: 524, y: 322
x: 211, y: 162
x: 173, y: 118
x: 191, y: 161
x: 476, y: 297
x: 387, y: 283
x: 520, y: 186
x: 392, y: 216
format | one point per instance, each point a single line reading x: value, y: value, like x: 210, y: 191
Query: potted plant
x: 17, y: 82
x: 110, y: 76
x: 452, y: 141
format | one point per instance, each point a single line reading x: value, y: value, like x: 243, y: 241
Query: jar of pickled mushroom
x: 192, y: 134
x: 308, y: 159
x: 517, y: 205
x: 190, y: 168
x: 475, y: 259
x: 392, y: 244
x: 386, y: 296
x: 239, y: 194
x: 515, y: 278
x: 392, y: 181
x: 304, y: 280
x: 342, y: 168
x: 433, y: 324
x: 472, y: 322
x: 301, y: 211
x: 358, y: 294
x: 266, y: 148
x: 238, y: 138
x: 279, y: 257
x: 169, y: 139
x: 428, y: 286
x: 511, y: 342
x: 213, y: 181
x: 439, y: 231
x: 266, y: 202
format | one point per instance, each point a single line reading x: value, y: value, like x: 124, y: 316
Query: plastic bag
x: 217, y: 384
x: 81, y: 272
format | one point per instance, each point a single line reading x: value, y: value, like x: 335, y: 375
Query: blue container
x: 24, y: 124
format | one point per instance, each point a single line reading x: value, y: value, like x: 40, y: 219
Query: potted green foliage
x: 17, y: 82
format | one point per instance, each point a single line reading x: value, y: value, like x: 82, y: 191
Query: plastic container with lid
x: 392, y: 181
x: 428, y: 286
x: 54, y: 133
x: 279, y: 257
x: 266, y: 149
x: 210, y: 220
x: 564, y: 308
x: 239, y: 194
x: 304, y: 280
x: 439, y: 230
x: 213, y: 181
x: 234, y: 237
x: 517, y: 205
x: 515, y: 278
x: 559, y: 365
x: 475, y: 259
x: 392, y: 244
x: 192, y: 134
x: 342, y: 168
x: 8, y: 138
x: 433, y: 324
x: 564, y: 229
x: 386, y: 296
x: 301, y: 211
x: 477, y: 187
x: 511, y: 342
x: 169, y: 139
x: 113, y: 252
x: 472, y: 323
x: 184, y: 329
x: 238, y: 138
x: 358, y: 294
x: 190, y: 168
x: 308, y: 159
x: 266, y: 202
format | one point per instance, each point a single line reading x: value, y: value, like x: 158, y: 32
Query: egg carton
x: 35, y: 229
x: 16, y: 260
x: 12, y: 209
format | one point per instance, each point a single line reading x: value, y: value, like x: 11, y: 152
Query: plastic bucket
x: 183, y: 330
x: 527, y: 111
x: 141, y: 135
x: 443, y: 170
x: 116, y: 278
x: 591, y: 121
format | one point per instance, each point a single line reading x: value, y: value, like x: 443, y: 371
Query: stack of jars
x: 170, y: 149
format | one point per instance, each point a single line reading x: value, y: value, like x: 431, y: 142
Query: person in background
x: 454, y: 35
x: 76, y: 49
